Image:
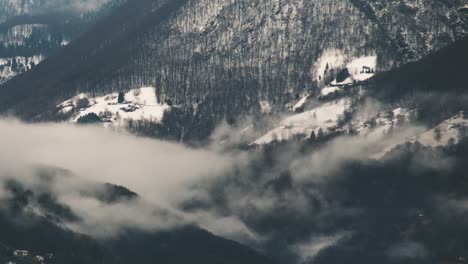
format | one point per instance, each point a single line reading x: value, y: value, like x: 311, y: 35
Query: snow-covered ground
x: 451, y: 131
x: 8, y: 70
x: 139, y: 104
x: 300, y: 104
x: 265, y: 107
x: 360, y: 69
x: 383, y: 122
x: 347, y: 81
x: 334, y: 58
x: 322, y: 117
x: 329, y: 90
x: 22, y: 32
x: 356, y: 68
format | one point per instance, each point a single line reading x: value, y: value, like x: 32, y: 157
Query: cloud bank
x: 159, y: 172
x: 267, y: 200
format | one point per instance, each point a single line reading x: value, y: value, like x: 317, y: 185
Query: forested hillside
x: 231, y: 57
x: 32, y: 30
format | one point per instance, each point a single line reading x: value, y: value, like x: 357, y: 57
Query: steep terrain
x: 32, y: 30
x: 34, y: 219
x: 428, y: 93
x: 227, y: 57
x: 356, y: 151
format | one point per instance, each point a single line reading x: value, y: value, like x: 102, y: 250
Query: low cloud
x: 406, y: 250
x: 240, y: 195
x: 159, y: 172
x: 310, y: 249
x: 329, y: 160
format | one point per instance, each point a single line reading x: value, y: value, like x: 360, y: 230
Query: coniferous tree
x: 14, y: 64
x: 342, y: 75
x: 121, y: 98
x: 320, y: 134
x: 313, y: 137
x: 437, y: 134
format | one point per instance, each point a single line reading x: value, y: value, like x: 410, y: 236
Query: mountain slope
x: 92, y: 52
x: 34, y: 219
x: 423, y: 94
x: 32, y: 30
x: 436, y: 84
x: 228, y: 55
x: 442, y: 71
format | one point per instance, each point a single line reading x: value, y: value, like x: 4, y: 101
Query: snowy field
x: 139, y: 104
x: 322, y: 117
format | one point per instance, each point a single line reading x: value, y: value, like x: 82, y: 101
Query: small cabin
x: 366, y: 69
x: 21, y: 253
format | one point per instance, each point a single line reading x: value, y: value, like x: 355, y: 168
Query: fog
x: 74, y: 6
x: 159, y: 172
x: 233, y: 193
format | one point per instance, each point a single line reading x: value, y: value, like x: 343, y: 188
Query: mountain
x: 224, y: 59
x: 35, y: 220
x: 437, y: 79
x: 353, y: 147
x: 32, y: 30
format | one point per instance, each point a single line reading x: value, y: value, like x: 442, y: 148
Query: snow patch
x: 329, y: 90
x: 449, y: 131
x: 10, y: 67
x: 300, y: 104
x: 334, y: 58
x: 358, y: 68
x: 265, y: 107
x: 139, y: 104
x: 347, y: 81
x: 322, y: 117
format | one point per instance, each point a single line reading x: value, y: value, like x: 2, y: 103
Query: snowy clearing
x: 139, y: 104
x: 329, y: 90
x: 324, y: 116
x: 300, y: 104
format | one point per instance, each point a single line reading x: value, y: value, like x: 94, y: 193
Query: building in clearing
x: 21, y: 253
x: 366, y: 69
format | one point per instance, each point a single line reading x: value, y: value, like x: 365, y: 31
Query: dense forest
x: 231, y: 55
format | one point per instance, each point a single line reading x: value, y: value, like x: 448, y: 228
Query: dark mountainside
x: 32, y: 30
x: 396, y: 210
x: 223, y: 58
x: 372, y: 172
x: 96, y: 51
x: 442, y: 71
x: 42, y: 233
x: 407, y: 207
x: 436, y: 85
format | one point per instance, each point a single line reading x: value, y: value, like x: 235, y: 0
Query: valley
x: 230, y: 131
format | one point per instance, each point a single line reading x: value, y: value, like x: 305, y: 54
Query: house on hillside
x: 21, y: 253
x: 366, y: 69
